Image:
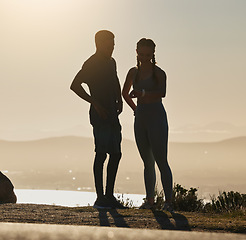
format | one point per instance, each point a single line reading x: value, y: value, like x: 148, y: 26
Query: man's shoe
x: 115, y: 203
x: 146, y: 205
x: 168, y: 207
x: 102, y: 203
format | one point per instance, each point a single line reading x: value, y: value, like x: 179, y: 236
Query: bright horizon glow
x: 200, y: 45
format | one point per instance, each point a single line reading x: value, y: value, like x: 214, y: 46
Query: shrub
x: 125, y: 202
x: 187, y: 200
x: 229, y: 202
x: 182, y: 200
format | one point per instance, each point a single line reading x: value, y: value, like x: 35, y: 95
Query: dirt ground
x: 129, y: 218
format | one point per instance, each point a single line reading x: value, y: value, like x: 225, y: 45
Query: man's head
x: 104, y: 40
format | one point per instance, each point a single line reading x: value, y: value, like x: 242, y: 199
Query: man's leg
x: 114, y: 149
x: 112, y: 168
x: 98, y: 172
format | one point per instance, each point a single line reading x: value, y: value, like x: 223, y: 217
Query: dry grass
x: 130, y: 218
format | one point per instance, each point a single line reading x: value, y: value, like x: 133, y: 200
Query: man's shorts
x: 107, y: 138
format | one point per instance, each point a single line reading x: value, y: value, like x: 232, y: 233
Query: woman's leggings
x: 151, y: 134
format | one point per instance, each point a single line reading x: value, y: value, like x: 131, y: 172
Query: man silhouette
x: 99, y: 73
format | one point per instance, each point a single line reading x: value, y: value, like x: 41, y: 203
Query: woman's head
x: 146, y: 54
x: 145, y: 42
x: 145, y: 51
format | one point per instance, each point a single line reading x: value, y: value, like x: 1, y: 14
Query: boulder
x: 7, y: 194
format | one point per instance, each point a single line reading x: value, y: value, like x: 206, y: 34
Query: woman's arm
x: 144, y: 95
x: 126, y: 89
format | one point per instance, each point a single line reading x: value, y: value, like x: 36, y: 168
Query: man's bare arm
x: 77, y: 87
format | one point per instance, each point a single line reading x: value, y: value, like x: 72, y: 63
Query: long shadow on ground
x: 119, y: 220
x: 177, y: 222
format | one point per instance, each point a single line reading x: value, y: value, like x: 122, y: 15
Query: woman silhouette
x: 150, y: 126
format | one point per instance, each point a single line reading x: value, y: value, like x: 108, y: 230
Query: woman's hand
x: 135, y: 94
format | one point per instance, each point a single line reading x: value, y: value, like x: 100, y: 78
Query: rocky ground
x: 129, y: 218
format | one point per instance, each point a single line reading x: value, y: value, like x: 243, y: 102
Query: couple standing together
x: 151, y: 127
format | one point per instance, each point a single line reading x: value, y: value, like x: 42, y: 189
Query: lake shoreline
x: 69, y: 198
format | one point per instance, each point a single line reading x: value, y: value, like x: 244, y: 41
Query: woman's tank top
x: 148, y: 84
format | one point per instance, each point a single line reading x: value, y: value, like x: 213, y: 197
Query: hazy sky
x: 201, y: 44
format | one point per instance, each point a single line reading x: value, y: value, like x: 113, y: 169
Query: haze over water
x: 65, y: 163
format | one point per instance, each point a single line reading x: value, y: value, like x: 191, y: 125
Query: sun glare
x: 37, y: 9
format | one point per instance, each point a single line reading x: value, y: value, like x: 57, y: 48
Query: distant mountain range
x: 52, y: 162
x: 215, y: 131
x: 211, y: 132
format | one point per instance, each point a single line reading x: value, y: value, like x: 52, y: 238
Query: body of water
x: 68, y: 198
